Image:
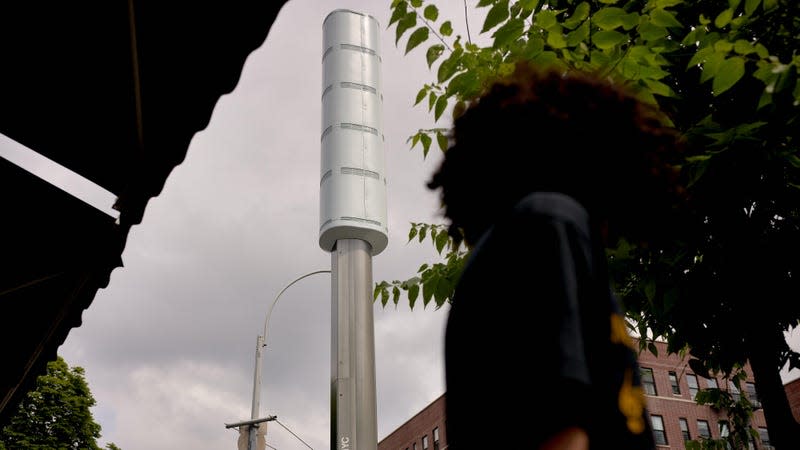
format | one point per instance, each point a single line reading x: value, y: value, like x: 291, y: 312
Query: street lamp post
x: 261, y: 342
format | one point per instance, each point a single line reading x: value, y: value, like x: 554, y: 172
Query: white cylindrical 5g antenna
x: 353, y: 218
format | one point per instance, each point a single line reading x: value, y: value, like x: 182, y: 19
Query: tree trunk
x: 784, y: 431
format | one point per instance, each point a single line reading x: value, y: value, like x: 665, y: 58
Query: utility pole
x: 353, y: 218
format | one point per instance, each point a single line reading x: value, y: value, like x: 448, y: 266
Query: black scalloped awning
x: 113, y: 90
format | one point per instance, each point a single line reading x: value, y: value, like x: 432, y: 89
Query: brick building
x: 793, y: 394
x: 424, y: 431
x: 670, y: 386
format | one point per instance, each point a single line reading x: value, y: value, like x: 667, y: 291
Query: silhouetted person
x: 543, y: 171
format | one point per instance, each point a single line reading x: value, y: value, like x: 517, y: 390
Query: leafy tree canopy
x: 725, y: 72
x: 55, y: 414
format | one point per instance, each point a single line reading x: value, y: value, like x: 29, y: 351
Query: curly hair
x: 574, y: 133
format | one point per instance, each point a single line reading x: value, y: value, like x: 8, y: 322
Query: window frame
x: 684, y: 426
x: 659, y: 432
x: 652, y: 383
x: 707, y: 427
x: 674, y: 383
x: 692, y: 390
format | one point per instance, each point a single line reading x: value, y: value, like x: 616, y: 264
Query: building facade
x: 793, y: 395
x: 424, y: 431
x: 670, y: 386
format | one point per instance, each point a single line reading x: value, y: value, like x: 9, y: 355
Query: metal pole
x: 251, y: 438
x: 353, y: 394
x: 261, y: 342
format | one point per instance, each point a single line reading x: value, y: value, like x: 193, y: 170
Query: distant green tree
x: 55, y: 414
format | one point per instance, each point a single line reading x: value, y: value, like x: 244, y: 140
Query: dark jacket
x: 535, y: 339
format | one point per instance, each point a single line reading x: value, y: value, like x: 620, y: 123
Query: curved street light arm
x: 269, y: 312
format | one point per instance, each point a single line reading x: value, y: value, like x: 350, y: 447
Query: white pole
x: 353, y: 391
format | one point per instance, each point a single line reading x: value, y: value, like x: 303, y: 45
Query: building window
x: 691, y: 380
x: 648, y: 382
x: 425, y: 442
x: 414, y: 445
x: 673, y: 380
x: 764, y: 436
x: 703, y: 430
x: 752, y: 395
x: 658, y: 430
x: 712, y: 383
x: 734, y: 391
x: 685, y: 429
x: 436, y: 438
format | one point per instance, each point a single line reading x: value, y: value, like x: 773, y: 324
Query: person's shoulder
x: 553, y: 207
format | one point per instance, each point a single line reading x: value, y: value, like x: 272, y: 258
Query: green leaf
x: 546, y: 19
x: 534, y: 46
x: 711, y: 66
x: 406, y: 23
x: 609, y: 2
x: 732, y: 4
x: 700, y: 56
x: 743, y: 47
x: 431, y: 12
x: 724, y: 18
x: 630, y: 20
x: 426, y: 146
x: 496, y: 15
x: 508, y: 33
x: 723, y: 46
x: 433, y: 53
x: 431, y: 100
x: 664, y: 19
x: 441, y: 104
x: 578, y: 15
x: 423, y: 231
x: 750, y: 6
x: 574, y: 38
x: 609, y: 18
x: 428, y: 287
x: 421, y: 95
x: 653, y: 349
x: 419, y: 36
x: 441, y: 241
x: 659, y: 88
x: 762, y: 51
x: 384, y: 297
x: 412, y: 233
x: 730, y: 72
x: 413, y: 293
x: 608, y: 39
x: 398, y: 13
x: 652, y: 32
x: 483, y: 3
x: 446, y: 29
x: 441, y: 139
x: 416, y: 3
x: 770, y: 4
x: 414, y: 139
x: 556, y: 40
x: 528, y: 5
x: 449, y: 66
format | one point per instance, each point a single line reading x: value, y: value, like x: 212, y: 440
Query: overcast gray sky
x: 169, y: 346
